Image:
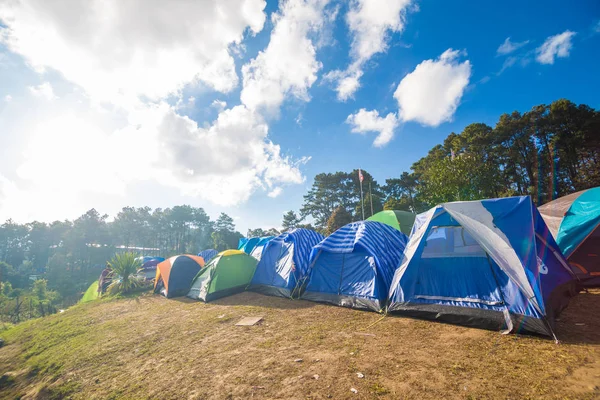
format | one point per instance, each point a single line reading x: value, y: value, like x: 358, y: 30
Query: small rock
x: 1, y: 342
x: 221, y: 316
x: 258, y: 387
x: 353, y: 390
x: 298, y: 360
x: 351, y: 353
x: 360, y: 375
x: 317, y: 360
x: 316, y: 377
x: 580, y: 324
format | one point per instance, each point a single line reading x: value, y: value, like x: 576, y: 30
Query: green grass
x: 91, y: 293
x: 148, y: 347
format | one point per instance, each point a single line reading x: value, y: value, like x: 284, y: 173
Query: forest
x: 547, y: 152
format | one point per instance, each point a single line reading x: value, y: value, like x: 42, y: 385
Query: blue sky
x: 234, y: 106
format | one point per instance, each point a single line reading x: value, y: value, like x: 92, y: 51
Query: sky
x: 235, y: 105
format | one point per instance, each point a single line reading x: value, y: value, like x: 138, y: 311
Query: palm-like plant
x: 124, y: 267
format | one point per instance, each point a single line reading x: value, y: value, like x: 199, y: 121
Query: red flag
x: 360, y: 175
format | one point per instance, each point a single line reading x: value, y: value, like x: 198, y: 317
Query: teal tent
x: 574, y: 220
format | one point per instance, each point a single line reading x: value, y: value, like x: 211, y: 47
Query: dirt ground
x: 154, y: 348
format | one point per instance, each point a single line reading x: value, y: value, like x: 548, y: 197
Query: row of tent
x: 489, y: 263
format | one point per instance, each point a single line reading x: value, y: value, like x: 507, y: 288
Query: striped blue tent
x: 284, y: 262
x: 208, y: 254
x: 354, y: 267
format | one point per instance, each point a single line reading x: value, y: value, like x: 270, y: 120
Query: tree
x: 290, y: 220
x: 124, y: 266
x: 258, y: 232
x: 330, y: 191
x: 339, y: 218
x: 377, y: 206
x: 225, y: 236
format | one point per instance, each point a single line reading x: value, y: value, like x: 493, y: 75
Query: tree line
x: 547, y: 152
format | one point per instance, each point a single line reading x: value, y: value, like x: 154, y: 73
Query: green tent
x: 91, y: 293
x: 226, y: 274
x: 401, y: 220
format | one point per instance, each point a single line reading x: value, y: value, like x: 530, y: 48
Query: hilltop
x: 149, y: 347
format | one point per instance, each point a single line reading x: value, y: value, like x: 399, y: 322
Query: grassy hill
x: 153, y: 348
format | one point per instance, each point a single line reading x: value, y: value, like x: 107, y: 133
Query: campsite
x: 299, y: 199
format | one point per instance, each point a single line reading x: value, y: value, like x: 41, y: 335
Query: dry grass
x: 154, y: 348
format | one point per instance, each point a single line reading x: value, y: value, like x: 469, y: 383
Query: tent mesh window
x: 449, y: 256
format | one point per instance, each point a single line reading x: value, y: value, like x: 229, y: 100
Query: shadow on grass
x: 253, y: 299
x: 579, y: 323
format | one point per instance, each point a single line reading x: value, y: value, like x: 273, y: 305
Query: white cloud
x: 43, y: 90
x: 68, y: 157
x: 288, y: 66
x: 431, y: 93
x: 275, y: 192
x: 557, y: 46
x: 370, y: 23
x: 508, y: 47
x: 369, y: 121
x: 219, y: 104
x: 131, y: 49
x: 8, y: 98
x: 596, y: 27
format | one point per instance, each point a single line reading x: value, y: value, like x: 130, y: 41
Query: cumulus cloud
x: 43, y: 90
x: 219, y: 104
x: 136, y: 48
x: 275, y: 192
x: 557, y: 46
x: 369, y: 121
x: 224, y: 163
x: 288, y: 66
x: 370, y: 23
x: 432, y: 92
x: 508, y: 47
x: 8, y: 98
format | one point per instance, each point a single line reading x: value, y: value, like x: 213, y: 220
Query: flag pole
x: 371, y: 197
x: 362, y: 204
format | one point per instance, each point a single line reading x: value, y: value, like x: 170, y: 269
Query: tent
x: 248, y: 244
x: 354, y: 266
x: 260, y: 246
x: 174, y: 276
x: 208, y: 254
x: 226, y: 274
x: 488, y: 263
x: 574, y: 220
x: 401, y: 220
x: 284, y: 262
x: 147, y: 271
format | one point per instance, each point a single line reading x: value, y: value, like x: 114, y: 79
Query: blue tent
x: 208, y: 254
x: 284, y: 262
x: 354, y: 266
x: 488, y: 263
x: 257, y: 251
x: 247, y: 244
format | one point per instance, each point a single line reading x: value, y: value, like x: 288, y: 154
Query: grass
x: 148, y: 347
x: 91, y: 293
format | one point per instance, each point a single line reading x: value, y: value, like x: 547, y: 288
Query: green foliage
x: 290, y: 220
x: 225, y: 236
x: 124, y: 266
x: 332, y: 190
x: 339, y: 218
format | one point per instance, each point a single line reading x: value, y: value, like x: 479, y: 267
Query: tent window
x: 451, y: 241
